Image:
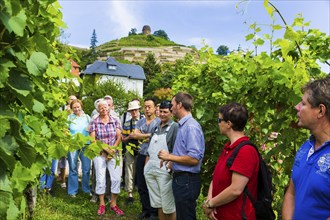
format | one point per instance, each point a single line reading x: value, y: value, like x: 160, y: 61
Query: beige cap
x: 133, y: 105
x: 108, y: 97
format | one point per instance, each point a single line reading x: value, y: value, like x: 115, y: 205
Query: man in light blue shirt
x: 186, y: 159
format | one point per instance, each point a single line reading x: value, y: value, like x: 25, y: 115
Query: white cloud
x: 80, y: 46
x: 123, y: 17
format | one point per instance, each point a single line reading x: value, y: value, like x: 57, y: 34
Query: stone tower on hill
x: 146, y: 30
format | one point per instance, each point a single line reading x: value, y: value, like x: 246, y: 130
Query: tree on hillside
x: 151, y: 68
x: 93, y: 43
x: 132, y: 32
x: 161, y: 33
x: 223, y: 50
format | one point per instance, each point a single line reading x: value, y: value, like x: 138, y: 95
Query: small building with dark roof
x: 129, y: 75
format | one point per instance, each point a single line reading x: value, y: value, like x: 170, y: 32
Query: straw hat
x: 133, y: 105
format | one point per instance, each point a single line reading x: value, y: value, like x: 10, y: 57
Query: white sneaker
x: 63, y: 185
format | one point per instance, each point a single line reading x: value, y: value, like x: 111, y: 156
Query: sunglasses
x: 220, y: 120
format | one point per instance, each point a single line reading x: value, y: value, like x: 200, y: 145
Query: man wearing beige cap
x: 131, y: 148
x: 109, y: 100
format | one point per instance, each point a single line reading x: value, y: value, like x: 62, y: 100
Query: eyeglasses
x: 220, y: 120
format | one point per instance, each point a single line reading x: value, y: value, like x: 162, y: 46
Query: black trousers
x: 142, y: 187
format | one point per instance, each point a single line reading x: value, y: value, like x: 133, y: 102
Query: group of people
x: 163, y: 158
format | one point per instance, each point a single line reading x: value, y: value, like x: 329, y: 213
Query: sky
x: 196, y: 23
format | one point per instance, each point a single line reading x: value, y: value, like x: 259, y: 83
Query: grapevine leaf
x: 249, y: 37
x: 27, y: 154
x: 20, y: 83
x: 6, y: 198
x: 291, y: 34
x: 12, y: 211
x: 277, y: 27
x: 200, y: 112
x: 93, y: 149
x: 17, y: 23
x: 5, y: 185
x: 260, y: 42
x: 38, y: 106
x: 269, y: 8
x: 22, y: 175
x: 8, y: 145
x: 56, y: 151
x: 7, y: 161
x: 42, y: 44
x: 285, y: 46
x: 5, y: 126
x: 37, y: 64
x: 5, y: 65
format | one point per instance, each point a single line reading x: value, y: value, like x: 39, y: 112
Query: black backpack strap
x: 124, y: 119
x: 231, y: 159
x: 247, y: 192
x: 243, y: 205
x: 131, y: 125
x: 229, y: 163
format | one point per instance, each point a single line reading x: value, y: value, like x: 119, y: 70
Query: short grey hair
x: 102, y: 102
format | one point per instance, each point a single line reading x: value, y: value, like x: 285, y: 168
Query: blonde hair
x: 75, y: 101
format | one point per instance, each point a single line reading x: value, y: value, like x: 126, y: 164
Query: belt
x: 183, y: 173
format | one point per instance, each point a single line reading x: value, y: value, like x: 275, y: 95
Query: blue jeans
x: 186, y: 190
x: 46, y: 181
x: 73, y: 172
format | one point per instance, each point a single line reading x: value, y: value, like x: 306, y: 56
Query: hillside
x: 135, y: 48
x: 138, y: 40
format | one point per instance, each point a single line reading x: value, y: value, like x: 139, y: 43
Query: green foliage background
x: 92, y: 90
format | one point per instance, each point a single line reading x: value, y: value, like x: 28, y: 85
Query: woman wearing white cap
x: 107, y: 129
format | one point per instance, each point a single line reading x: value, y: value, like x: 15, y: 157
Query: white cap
x: 96, y: 102
x: 133, y: 105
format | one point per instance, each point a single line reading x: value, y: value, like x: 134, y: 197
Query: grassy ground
x: 62, y: 207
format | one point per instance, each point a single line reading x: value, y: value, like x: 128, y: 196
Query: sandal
x: 101, y: 210
x: 117, y: 210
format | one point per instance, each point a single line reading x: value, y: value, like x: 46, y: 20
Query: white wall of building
x: 134, y: 85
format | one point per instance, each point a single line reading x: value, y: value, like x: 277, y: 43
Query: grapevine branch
x: 286, y: 25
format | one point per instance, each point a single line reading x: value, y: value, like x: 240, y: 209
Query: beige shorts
x: 159, y: 183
